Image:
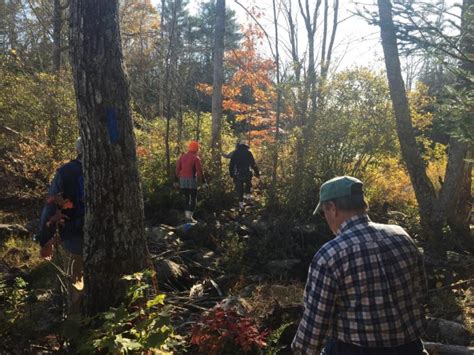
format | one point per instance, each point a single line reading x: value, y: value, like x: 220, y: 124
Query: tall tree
x: 434, y: 207
x: 273, y: 199
x: 114, y: 242
x: 218, y: 80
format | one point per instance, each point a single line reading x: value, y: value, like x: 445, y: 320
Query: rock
x: 8, y: 230
x: 206, y: 287
x: 236, y: 303
x: 444, y: 349
x: 196, y: 291
x: 441, y: 330
x: 170, y: 272
x: 247, y: 291
x: 162, y: 238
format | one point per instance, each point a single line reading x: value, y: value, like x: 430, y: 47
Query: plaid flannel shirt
x: 364, y: 287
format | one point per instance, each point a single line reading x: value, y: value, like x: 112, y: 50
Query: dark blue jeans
x: 336, y: 347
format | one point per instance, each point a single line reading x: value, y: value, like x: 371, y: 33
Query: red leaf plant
x: 220, y: 331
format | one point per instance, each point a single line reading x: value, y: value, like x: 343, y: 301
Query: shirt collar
x: 353, y: 221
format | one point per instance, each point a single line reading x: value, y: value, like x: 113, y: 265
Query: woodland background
x: 305, y: 121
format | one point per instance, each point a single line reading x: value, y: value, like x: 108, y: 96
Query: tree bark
x: 273, y: 188
x: 459, y: 219
x: 424, y: 190
x: 53, y: 128
x: 309, y: 98
x: 217, y: 82
x: 434, y: 209
x: 57, y: 26
x: 114, y: 242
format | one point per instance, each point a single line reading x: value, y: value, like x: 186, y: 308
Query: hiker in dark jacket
x: 240, y: 166
x: 62, y: 222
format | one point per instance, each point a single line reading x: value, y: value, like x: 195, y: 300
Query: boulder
x: 170, y: 272
x: 444, y: 349
x: 162, y: 238
x: 235, y: 303
x: 445, y: 331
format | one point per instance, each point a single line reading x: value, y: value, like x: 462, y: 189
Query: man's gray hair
x: 350, y: 203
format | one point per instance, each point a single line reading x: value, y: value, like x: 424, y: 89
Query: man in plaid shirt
x: 365, y: 288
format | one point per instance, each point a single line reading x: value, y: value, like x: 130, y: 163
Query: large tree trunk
x: 53, y: 128
x: 424, y: 190
x: 218, y: 80
x: 114, y: 242
x: 57, y: 26
x: 434, y: 209
x: 273, y: 188
x: 307, y: 115
x: 459, y: 219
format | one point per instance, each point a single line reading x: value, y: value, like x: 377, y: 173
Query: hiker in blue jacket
x: 62, y: 221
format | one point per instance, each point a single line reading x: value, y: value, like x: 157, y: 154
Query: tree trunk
x: 56, y: 66
x: 179, y: 136
x: 424, y: 190
x: 307, y: 116
x: 218, y: 80
x: 459, y: 220
x: 273, y: 198
x: 114, y: 242
x: 434, y: 210
x: 57, y: 26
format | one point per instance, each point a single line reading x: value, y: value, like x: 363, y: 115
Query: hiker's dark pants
x: 190, y: 199
x: 336, y: 347
x: 242, y: 187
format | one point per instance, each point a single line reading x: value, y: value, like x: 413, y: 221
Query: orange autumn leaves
x: 63, y: 204
x: 249, y: 92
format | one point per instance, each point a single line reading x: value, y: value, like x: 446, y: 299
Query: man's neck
x: 347, y: 215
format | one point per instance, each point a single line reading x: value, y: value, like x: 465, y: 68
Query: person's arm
x: 198, y: 169
x: 227, y: 155
x: 254, y: 166
x: 50, y: 209
x: 178, y: 168
x: 319, y: 303
x: 232, y: 166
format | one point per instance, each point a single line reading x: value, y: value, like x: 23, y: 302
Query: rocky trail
x: 240, y: 261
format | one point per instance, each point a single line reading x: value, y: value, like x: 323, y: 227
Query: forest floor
x: 235, y: 257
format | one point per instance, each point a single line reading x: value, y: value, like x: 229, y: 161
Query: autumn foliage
x: 223, y: 331
x: 249, y: 93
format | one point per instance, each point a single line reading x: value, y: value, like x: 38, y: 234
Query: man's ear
x: 332, y: 207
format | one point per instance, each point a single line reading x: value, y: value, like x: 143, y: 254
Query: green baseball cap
x: 338, y: 187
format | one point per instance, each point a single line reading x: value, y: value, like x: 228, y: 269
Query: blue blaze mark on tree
x: 112, y: 124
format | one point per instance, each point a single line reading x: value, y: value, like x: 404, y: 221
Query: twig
x: 452, y: 285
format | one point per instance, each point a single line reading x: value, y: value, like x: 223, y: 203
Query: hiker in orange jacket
x: 189, y: 173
